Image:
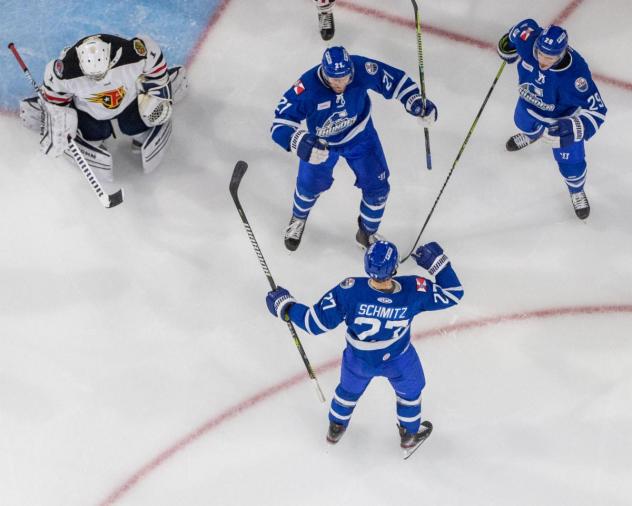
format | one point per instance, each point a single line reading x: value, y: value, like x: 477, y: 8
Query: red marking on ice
x: 457, y: 37
x: 202, y: 40
x: 269, y: 392
x: 566, y: 12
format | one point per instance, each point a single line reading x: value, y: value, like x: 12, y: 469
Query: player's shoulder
x: 365, y: 67
x: 414, y: 284
x: 351, y: 283
x: 66, y: 66
x: 524, y: 32
x: 572, y: 64
x: 306, y: 86
x: 128, y: 51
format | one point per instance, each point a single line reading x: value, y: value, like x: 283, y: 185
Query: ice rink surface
x: 139, y: 365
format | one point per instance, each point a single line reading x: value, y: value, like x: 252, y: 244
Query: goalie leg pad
x: 60, y: 125
x: 155, y: 146
x: 31, y: 114
x: 179, y: 83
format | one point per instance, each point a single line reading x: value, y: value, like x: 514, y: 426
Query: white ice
x: 124, y: 331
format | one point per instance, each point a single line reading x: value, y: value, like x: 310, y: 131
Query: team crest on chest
x: 540, y: 79
x: 109, y: 99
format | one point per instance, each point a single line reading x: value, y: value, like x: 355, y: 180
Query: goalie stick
x: 235, y: 180
x: 108, y: 200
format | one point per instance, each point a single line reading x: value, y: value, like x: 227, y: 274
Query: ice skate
x: 364, y: 238
x: 518, y: 141
x: 293, y: 233
x: 410, y: 442
x: 335, y: 432
x: 580, y: 204
x: 326, y: 24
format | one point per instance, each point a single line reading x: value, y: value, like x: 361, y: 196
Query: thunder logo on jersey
x: 109, y: 99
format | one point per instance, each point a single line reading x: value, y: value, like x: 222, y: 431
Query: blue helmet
x: 380, y: 260
x: 552, y: 41
x: 337, y: 62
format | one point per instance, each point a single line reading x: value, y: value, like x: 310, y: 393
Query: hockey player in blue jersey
x: 559, y: 101
x: 332, y: 98
x: 378, y: 312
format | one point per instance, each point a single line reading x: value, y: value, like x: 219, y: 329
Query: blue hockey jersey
x: 566, y: 89
x: 378, y: 323
x: 338, y: 118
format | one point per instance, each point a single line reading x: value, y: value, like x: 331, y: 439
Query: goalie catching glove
x: 155, y: 103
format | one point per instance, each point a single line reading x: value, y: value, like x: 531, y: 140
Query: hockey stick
x: 458, y: 156
x: 235, y: 180
x: 422, y: 81
x: 108, y: 200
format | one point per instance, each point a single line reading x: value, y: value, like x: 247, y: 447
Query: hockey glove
x: 564, y: 132
x: 154, y: 103
x: 431, y: 257
x: 506, y: 50
x: 279, y: 302
x: 60, y: 124
x: 427, y: 114
x: 308, y: 147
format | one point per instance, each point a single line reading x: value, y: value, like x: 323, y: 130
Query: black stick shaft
x: 458, y: 156
x: 238, y: 174
x: 422, y: 79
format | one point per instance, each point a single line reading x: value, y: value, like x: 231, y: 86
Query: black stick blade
x: 238, y: 173
x: 115, y: 199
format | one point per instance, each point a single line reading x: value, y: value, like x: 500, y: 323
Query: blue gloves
x: 308, y: 147
x: 279, y: 302
x: 506, y: 50
x: 431, y: 257
x: 415, y: 106
x: 565, y: 132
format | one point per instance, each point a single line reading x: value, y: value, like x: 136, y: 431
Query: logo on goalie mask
x: 109, y: 99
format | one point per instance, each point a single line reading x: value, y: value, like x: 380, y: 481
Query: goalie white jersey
x: 132, y: 62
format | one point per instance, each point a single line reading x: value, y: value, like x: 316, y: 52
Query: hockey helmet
x: 337, y: 63
x: 381, y: 260
x: 553, y: 41
x: 94, y: 57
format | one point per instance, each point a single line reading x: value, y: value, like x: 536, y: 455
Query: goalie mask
x: 94, y: 57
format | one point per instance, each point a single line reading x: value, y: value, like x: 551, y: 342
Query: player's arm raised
x: 446, y: 290
x: 391, y: 82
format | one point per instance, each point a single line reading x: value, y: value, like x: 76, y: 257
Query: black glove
x: 506, y: 50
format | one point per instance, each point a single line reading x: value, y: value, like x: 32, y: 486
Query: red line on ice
x: 457, y: 37
x: 219, y: 11
x: 269, y: 392
x: 566, y: 12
